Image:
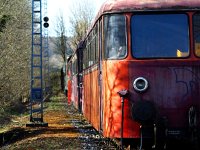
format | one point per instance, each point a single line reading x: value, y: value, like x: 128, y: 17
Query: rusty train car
x: 136, y: 74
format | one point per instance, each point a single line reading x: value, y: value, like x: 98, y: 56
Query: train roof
x: 131, y: 5
x: 118, y: 6
x: 111, y: 6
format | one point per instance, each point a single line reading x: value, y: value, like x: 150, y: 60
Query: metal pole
x: 122, y: 94
x: 122, y: 122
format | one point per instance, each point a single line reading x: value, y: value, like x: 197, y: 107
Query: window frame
x: 163, y: 57
x: 193, y: 26
x: 104, y: 39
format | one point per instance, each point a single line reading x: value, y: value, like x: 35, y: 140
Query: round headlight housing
x: 140, y: 84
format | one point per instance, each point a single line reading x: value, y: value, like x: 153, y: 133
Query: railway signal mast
x: 39, y: 63
x: 46, y: 78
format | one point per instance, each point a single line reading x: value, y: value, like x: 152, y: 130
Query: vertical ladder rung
x: 36, y: 44
x: 36, y: 55
x: 37, y: 110
x: 36, y: 22
x: 37, y: 33
x: 37, y: 66
x: 37, y: 77
x: 36, y: 11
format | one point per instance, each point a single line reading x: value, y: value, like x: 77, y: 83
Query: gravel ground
x: 67, y: 129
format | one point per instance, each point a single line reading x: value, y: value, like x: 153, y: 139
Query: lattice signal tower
x: 38, y: 61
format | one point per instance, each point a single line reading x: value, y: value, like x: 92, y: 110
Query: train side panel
x: 86, y: 96
x: 69, y: 85
x: 91, y: 98
x: 115, y: 78
x: 69, y: 91
x: 173, y: 89
x: 95, y: 119
x: 173, y: 104
x: 74, y: 95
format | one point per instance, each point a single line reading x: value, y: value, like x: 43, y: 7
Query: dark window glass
x: 196, y: 33
x: 160, y: 35
x: 114, y: 37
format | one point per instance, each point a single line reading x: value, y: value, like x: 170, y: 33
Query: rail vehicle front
x: 140, y: 77
x: 156, y: 67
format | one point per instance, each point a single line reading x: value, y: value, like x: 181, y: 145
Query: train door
x: 100, y: 77
x: 69, y: 82
x: 80, y: 74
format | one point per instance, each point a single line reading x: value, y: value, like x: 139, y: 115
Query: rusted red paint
x: 86, y: 97
x: 91, y: 98
x: 116, y: 78
x: 74, y: 95
x: 127, y: 5
x: 95, y: 112
x: 173, y: 88
x: 69, y: 87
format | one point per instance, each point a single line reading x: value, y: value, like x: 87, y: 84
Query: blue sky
x: 64, y: 6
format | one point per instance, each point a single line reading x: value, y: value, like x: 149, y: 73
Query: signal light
x: 46, y: 24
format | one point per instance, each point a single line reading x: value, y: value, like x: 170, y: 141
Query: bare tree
x: 81, y: 17
x: 60, y: 45
x: 80, y: 20
x: 61, y: 39
x: 82, y: 14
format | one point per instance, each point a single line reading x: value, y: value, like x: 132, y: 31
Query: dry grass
x: 60, y: 133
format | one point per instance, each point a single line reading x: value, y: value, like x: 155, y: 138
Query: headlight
x: 140, y: 84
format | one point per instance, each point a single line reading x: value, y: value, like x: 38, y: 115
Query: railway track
x: 91, y: 139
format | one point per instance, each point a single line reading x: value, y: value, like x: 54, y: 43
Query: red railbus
x: 137, y: 71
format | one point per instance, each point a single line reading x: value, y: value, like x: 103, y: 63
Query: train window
x: 96, y: 43
x: 74, y: 65
x: 92, y: 52
x: 196, y: 33
x: 160, y: 35
x: 84, y: 56
x: 88, y: 54
x: 96, y: 48
x: 114, y: 37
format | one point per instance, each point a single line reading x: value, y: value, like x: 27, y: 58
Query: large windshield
x: 114, y: 37
x: 160, y: 35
